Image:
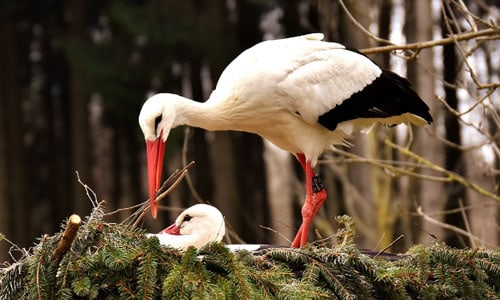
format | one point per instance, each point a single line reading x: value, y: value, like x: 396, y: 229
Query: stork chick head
x: 196, y: 226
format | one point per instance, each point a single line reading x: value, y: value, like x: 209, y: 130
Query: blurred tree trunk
x: 291, y: 19
x: 483, y: 215
x: 497, y: 178
x: 104, y: 157
x: 384, y: 190
x: 198, y: 150
x: 219, y: 167
x: 50, y: 150
x: 253, y: 209
x: 281, y: 167
x: 79, y: 135
x: 14, y: 212
x: 454, y: 160
x: 420, y: 72
x: 362, y: 213
x: 126, y: 187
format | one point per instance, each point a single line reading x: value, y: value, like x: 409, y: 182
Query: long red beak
x: 172, y: 229
x: 155, y: 155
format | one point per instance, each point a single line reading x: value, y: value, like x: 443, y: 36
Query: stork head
x: 199, y: 225
x: 156, y: 118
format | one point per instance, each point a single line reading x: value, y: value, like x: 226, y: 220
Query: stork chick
x: 196, y: 226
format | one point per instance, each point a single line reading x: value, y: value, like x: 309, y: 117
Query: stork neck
x: 206, y: 115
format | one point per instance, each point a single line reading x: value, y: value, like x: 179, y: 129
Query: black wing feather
x: 388, y: 95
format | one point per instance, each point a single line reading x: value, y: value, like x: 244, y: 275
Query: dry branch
x: 67, y: 237
x: 455, y: 229
x: 167, y: 187
x: 449, y: 176
x: 491, y: 32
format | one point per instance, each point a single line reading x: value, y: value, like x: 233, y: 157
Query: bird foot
x: 310, y: 209
x: 297, y: 240
x: 318, y: 199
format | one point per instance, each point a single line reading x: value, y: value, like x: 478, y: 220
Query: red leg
x: 313, y: 202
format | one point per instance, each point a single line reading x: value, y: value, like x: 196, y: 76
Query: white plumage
x: 302, y: 94
x: 196, y: 226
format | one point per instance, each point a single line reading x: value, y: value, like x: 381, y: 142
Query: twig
x: 90, y: 193
x: 492, y: 33
x: 429, y: 44
x: 451, y: 227
x: 172, y: 182
x: 389, y: 165
x: 67, y: 237
x: 421, y: 45
x: 465, y: 208
x: 361, y: 27
x: 231, y: 233
x: 190, y: 184
x: 167, y: 187
x: 466, y: 222
x: 277, y: 232
x: 450, y: 176
x: 379, y: 240
x: 389, y: 246
x: 13, y: 247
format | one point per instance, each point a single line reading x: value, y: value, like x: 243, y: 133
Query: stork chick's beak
x: 172, y: 229
x: 155, y: 155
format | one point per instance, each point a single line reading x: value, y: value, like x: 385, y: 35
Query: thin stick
x: 389, y: 246
x: 494, y: 32
x: 90, y: 193
x: 190, y: 184
x: 379, y: 241
x: 451, y: 227
x: 466, y: 222
x: 429, y: 44
x: 361, y: 27
x: 167, y: 187
x: 277, y: 232
x: 67, y: 238
x: 449, y: 175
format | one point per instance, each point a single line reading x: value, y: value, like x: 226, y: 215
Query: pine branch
x: 117, y: 261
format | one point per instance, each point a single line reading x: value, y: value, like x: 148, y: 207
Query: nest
x: 94, y: 259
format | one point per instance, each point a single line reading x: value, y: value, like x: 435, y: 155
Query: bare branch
x: 455, y: 229
x: 363, y: 29
x: 449, y: 175
x: 490, y: 32
x: 67, y: 237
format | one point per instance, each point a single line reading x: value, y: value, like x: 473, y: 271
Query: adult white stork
x: 196, y: 226
x: 302, y: 94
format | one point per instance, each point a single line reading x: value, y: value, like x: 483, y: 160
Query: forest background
x: 74, y: 74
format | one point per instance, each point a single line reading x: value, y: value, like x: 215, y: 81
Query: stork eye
x: 157, y: 121
x: 187, y: 218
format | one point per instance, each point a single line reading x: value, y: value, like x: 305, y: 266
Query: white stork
x: 196, y: 226
x: 301, y: 93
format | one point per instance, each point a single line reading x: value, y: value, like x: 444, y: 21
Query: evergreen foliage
x: 116, y: 261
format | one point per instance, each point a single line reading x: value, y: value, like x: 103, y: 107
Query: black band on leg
x: 317, y: 184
